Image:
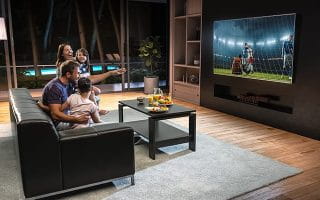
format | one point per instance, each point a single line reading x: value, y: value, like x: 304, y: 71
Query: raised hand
x: 103, y: 112
x: 119, y: 71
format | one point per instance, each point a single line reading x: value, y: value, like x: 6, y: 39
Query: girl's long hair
x: 85, y: 53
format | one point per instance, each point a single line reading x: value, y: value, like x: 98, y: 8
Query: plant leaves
x: 150, y: 52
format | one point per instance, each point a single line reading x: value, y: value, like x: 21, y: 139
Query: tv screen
x: 258, y: 47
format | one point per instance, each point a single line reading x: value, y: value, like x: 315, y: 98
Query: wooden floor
x: 277, y: 144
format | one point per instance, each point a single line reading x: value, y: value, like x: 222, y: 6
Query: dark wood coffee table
x: 160, y: 134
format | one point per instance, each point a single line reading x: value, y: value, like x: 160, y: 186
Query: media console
x: 261, y: 100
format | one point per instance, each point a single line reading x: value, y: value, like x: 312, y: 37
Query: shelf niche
x: 186, y: 75
x: 180, y: 8
x: 193, y: 53
x: 180, y: 41
x: 193, y: 7
x: 194, y: 24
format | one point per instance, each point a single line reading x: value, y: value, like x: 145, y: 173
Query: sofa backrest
x: 37, y: 144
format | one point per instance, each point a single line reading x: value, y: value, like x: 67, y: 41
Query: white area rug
x: 216, y: 170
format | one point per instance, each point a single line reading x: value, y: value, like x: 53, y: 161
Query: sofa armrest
x: 97, y: 153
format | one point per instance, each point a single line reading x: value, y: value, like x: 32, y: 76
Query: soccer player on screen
x: 287, y: 54
x: 247, y: 58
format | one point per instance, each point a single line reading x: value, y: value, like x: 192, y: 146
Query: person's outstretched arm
x: 94, y: 112
x: 96, y: 117
x: 100, y: 77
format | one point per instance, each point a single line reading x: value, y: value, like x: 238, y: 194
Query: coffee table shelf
x: 165, y: 134
x: 158, y: 133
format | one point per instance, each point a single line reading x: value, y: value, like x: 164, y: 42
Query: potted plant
x: 150, y: 52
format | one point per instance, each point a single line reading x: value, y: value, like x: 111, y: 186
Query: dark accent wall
x: 303, y: 96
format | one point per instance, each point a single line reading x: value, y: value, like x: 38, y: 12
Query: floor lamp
x: 3, y: 36
x: 3, y: 30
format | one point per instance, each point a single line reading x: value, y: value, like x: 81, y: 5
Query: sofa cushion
x: 98, y: 153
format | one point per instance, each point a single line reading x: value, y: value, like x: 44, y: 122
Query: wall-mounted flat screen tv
x: 258, y: 47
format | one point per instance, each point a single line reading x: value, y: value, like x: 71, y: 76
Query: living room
x: 247, y: 137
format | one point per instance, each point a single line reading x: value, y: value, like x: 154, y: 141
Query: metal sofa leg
x: 132, y: 180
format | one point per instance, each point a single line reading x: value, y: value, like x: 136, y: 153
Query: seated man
x: 55, y: 93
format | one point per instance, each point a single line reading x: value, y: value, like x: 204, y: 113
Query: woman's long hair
x: 60, y: 57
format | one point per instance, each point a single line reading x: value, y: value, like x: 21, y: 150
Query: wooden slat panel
x: 187, y: 93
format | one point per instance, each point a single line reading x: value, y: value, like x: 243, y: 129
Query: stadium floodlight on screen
x: 258, y: 47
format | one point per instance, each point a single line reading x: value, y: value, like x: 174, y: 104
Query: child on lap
x: 79, y: 103
x: 82, y: 56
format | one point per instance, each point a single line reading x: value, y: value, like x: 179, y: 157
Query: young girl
x: 80, y: 104
x: 82, y: 56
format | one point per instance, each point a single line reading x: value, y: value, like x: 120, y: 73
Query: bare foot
x: 103, y: 112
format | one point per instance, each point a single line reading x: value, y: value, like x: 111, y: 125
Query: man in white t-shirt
x: 287, y: 54
x: 247, y: 58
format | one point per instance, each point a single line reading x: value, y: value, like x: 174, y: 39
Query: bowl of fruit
x: 165, y: 101
x: 157, y: 109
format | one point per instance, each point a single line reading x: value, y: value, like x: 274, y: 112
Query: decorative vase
x: 150, y: 82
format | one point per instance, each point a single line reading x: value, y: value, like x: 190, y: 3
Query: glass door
x: 145, y: 19
x: 3, y: 71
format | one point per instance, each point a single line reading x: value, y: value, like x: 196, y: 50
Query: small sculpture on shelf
x: 196, y: 60
x: 193, y: 79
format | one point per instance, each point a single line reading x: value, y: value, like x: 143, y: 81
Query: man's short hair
x: 84, y: 85
x: 68, y: 66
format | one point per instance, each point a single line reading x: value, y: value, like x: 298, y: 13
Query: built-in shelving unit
x: 185, y: 49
